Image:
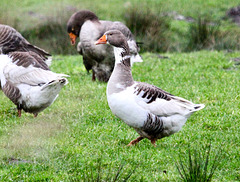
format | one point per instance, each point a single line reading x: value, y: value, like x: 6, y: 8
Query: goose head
x: 76, y: 21
x: 114, y: 38
x: 119, y: 43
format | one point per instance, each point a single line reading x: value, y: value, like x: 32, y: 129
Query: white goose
x: 151, y: 111
x: 27, y: 81
x: 100, y: 59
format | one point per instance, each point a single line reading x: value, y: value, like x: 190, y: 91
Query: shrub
x: 229, y: 40
x: 203, y: 35
x: 51, y: 36
x: 149, y: 27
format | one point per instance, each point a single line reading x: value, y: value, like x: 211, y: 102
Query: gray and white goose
x: 100, y: 59
x: 151, y: 111
x: 11, y: 40
x: 27, y: 81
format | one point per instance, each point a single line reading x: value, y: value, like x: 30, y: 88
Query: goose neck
x: 122, y: 56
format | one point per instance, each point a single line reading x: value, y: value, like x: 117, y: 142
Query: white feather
x: 123, y: 105
x: 30, y: 75
x: 4, y: 60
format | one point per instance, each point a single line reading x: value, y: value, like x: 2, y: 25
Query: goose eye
x: 110, y: 34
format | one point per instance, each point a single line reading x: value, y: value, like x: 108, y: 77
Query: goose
x: 100, y: 59
x: 151, y: 111
x: 28, y: 82
x: 11, y: 40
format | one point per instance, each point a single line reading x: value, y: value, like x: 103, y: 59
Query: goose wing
x: 160, y: 102
x: 28, y: 75
x: 24, y: 68
x: 26, y: 59
x: 11, y: 40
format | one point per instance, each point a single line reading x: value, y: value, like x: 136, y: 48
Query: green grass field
x: 67, y: 140
x: 79, y: 139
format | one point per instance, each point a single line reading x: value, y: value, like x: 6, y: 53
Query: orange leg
x: 93, y: 76
x: 134, y: 142
x: 19, y: 112
x: 153, y: 141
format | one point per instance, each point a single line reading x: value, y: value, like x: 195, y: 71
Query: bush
x: 205, y: 34
x: 51, y: 36
x: 148, y: 27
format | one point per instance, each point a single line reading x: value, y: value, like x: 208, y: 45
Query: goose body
x: 151, y: 111
x: 86, y: 25
x: 27, y: 81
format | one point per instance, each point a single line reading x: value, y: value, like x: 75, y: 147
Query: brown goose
x: 27, y: 81
x: 151, y: 111
x: 86, y: 25
x: 11, y: 40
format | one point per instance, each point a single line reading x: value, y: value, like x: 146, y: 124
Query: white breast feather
x: 124, y: 106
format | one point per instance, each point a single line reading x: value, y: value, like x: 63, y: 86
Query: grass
x: 67, y: 140
x: 203, y: 35
x: 149, y: 27
x: 200, y: 165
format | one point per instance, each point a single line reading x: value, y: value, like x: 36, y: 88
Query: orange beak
x: 102, y: 40
x: 73, y: 38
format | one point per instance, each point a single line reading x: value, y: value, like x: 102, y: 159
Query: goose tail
x: 59, y: 82
x: 198, y: 107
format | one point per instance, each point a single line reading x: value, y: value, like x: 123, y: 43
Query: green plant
x: 111, y: 175
x: 199, y: 167
x: 230, y: 40
x: 52, y: 36
x: 203, y: 34
x: 149, y: 27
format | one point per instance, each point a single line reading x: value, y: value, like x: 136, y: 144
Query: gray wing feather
x: 11, y: 40
x: 151, y: 92
x: 26, y: 59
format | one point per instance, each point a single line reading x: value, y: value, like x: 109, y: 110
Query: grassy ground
x: 67, y: 140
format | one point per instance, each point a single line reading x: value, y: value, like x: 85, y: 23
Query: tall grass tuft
x: 107, y: 173
x: 148, y: 27
x: 203, y: 35
x: 199, y: 167
x: 229, y: 40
